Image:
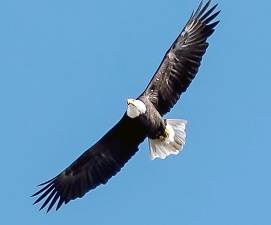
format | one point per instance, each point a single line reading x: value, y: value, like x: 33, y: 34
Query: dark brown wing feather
x: 182, y: 60
x: 95, y: 166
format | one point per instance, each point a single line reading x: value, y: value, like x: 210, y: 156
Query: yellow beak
x: 129, y: 101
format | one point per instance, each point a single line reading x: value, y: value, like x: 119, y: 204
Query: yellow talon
x: 165, y: 135
x: 162, y: 138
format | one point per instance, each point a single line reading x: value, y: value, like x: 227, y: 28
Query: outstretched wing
x: 181, y: 62
x: 95, y: 166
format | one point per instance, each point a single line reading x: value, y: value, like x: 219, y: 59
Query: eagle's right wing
x: 95, y: 166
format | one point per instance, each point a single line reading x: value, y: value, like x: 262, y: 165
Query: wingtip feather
x: 48, y: 199
x: 198, y: 9
x: 203, y: 9
x: 60, y: 202
x: 56, y: 196
x: 210, y: 18
x: 46, y: 182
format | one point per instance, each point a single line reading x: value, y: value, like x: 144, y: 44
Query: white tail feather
x: 172, y: 145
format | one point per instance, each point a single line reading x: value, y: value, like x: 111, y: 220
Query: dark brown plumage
x: 96, y: 165
x: 181, y: 62
x: 105, y: 158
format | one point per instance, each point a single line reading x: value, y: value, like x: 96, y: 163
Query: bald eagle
x: 143, y: 118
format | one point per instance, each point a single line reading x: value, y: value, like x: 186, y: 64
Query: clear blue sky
x: 66, y: 69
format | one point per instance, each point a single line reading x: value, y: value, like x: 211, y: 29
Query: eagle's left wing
x: 181, y: 62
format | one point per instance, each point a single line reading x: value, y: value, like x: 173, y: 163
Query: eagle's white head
x: 135, y: 108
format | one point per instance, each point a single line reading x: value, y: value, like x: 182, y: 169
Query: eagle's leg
x: 170, y: 141
x: 165, y: 134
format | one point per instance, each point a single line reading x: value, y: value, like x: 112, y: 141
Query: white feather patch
x: 132, y: 111
x: 135, y: 108
x: 172, y: 145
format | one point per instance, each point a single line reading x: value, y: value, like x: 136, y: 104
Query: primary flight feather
x: 143, y: 118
